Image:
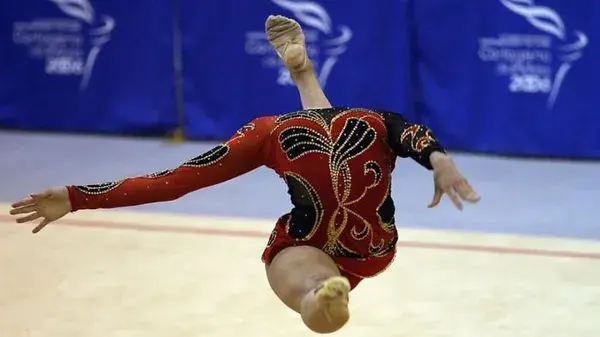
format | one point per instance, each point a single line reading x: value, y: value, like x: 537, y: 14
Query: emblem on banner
x: 532, y: 62
x: 68, y: 45
x: 325, y: 42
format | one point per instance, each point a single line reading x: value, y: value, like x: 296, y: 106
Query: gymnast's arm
x: 411, y: 140
x: 244, y: 152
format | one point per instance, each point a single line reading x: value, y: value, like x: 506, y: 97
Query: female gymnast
x: 337, y: 164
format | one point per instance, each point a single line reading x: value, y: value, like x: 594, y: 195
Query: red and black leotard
x: 336, y: 162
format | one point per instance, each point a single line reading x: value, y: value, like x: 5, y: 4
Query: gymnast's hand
x: 447, y: 180
x: 49, y: 205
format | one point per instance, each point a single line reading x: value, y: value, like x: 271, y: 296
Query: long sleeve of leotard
x: 411, y: 140
x: 244, y: 152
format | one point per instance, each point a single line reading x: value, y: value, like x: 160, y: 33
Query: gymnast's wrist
x: 437, y: 157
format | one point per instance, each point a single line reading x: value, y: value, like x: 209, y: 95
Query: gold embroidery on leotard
x: 418, y: 137
x: 305, y: 227
x: 356, y: 137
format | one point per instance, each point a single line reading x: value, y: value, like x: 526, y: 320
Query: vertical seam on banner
x: 178, y: 66
x: 413, y: 63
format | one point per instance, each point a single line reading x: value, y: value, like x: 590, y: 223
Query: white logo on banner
x: 325, y: 42
x: 532, y: 62
x: 69, y: 46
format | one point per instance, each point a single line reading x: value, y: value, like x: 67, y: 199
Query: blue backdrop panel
x: 83, y: 65
x: 231, y: 74
x: 510, y: 76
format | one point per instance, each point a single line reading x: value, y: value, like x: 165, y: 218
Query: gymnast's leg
x: 305, y: 278
x: 308, y: 281
x: 287, y: 38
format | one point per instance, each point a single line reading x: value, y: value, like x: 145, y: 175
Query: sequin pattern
x: 272, y: 238
x: 363, y: 229
x: 136, y: 190
x: 99, y: 188
x: 159, y: 174
x: 309, y: 115
x: 308, y: 210
x: 417, y: 137
x: 209, y: 158
x: 219, y: 152
x: 242, y: 131
x: 356, y: 136
x: 299, y: 141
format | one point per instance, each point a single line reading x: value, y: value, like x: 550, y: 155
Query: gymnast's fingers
x: 24, y: 202
x: 465, y: 191
x: 23, y: 210
x: 29, y: 217
x: 437, y: 197
x: 41, y: 226
x: 455, y: 198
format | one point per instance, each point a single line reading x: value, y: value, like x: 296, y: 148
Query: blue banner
x: 86, y: 66
x: 510, y: 76
x: 499, y: 76
x: 232, y: 75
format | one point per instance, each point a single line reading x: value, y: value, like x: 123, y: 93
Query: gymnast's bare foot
x: 286, y: 36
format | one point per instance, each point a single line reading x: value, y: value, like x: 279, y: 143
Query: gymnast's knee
x: 298, y: 271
